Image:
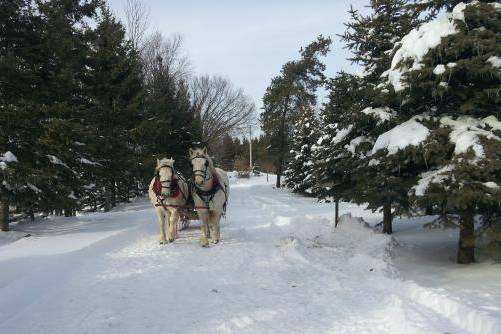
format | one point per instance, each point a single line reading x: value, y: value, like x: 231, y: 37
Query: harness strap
x: 208, y: 196
x: 180, y: 206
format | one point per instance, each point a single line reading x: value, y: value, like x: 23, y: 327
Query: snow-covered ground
x: 281, y: 268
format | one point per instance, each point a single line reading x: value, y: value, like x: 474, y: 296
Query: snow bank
x: 11, y: 236
x: 373, y: 249
x: 382, y: 114
x: 406, y: 134
x: 466, y: 131
x: 416, y: 44
x: 464, y: 316
x: 364, y: 252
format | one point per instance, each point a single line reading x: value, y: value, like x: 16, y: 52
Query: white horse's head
x: 165, y: 175
x: 202, y: 165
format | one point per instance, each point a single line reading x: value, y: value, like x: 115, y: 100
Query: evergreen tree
x: 333, y: 167
x: 456, y: 82
x: 64, y: 102
x: 362, y: 109
x: 44, y: 98
x: 371, y: 38
x: 168, y: 125
x: 293, y: 89
x: 20, y: 60
x: 115, y: 82
x: 431, y: 8
x: 299, y: 172
x: 225, y: 153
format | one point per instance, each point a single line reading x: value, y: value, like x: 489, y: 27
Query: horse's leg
x: 172, y: 234
x: 215, y: 234
x: 203, y: 215
x: 161, y: 224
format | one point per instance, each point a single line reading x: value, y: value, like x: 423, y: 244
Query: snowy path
x: 279, y: 269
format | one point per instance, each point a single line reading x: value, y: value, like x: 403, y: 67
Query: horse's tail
x: 225, y: 182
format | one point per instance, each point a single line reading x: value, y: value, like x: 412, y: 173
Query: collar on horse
x: 208, y: 193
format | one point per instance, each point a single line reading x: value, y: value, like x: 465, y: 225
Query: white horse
x: 168, y: 192
x: 210, y: 193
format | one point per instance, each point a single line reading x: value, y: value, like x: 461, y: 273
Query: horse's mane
x: 211, y: 163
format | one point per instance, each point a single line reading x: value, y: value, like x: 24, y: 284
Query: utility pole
x: 250, y: 148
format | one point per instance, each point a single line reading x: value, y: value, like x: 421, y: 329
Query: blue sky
x: 249, y: 41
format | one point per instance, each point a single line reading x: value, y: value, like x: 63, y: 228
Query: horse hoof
x: 162, y: 242
x: 172, y: 240
x: 205, y: 245
x: 215, y: 241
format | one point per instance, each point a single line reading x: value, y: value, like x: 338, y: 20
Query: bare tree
x: 166, y: 56
x: 222, y: 108
x: 137, y: 16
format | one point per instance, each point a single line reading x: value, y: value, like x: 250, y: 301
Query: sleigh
x: 186, y: 215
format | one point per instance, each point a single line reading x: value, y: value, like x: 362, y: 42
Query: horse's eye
x: 206, y: 163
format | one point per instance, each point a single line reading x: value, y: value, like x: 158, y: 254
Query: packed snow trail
x: 281, y: 268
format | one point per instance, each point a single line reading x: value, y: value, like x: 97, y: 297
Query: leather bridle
x: 202, y: 172
x: 172, y: 190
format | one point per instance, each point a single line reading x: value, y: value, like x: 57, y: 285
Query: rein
x: 180, y: 206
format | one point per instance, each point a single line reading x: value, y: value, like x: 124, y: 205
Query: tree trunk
x: 466, y: 249
x: 4, y: 215
x: 336, y: 215
x: 279, y: 173
x: 387, y: 219
x: 429, y: 210
x: 69, y: 212
x: 443, y: 213
x: 107, y: 198
x: 283, y: 135
x: 113, y: 194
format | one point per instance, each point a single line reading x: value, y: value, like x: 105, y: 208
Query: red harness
x: 175, y: 189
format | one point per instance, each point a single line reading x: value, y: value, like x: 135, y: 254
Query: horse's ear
x: 191, y: 152
x: 204, y: 150
x: 158, y: 162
